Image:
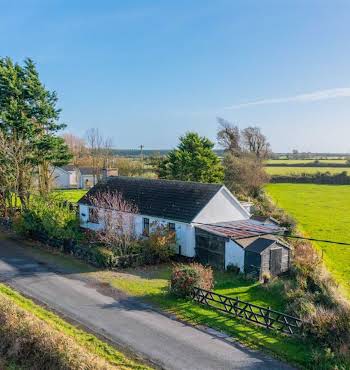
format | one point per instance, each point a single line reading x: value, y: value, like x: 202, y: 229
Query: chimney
x: 107, y: 172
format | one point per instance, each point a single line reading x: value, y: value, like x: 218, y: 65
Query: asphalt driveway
x: 126, y: 322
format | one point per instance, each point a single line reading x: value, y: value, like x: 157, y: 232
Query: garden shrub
x: 103, y: 257
x: 185, y: 277
x: 233, y: 269
x: 159, y: 246
x: 48, y: 217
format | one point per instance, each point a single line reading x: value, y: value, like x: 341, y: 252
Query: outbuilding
x: 248, y: 245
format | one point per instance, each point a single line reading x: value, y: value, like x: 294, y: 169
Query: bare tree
x: 244, y: 175
x: 100, y: 150
x: 117, y: 219
x: 76, y: 145
x: 255, y: 142
x: 228, y: 136
x: 95, y: 143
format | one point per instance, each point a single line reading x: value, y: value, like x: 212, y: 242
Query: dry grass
x: 33, y: 344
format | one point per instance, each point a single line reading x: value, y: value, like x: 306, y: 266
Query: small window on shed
x: 145, y: 226
x: 172, y: 229
x: 93, y: 215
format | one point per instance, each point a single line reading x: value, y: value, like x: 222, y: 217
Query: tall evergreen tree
x: 29, y: 121
x: 193, y: 160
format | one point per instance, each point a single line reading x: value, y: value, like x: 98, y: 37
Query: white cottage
x: 66, y: 177
x: 188, y: 208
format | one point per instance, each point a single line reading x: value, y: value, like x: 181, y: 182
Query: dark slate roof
x: 86, y: 170
x: 260, y: 244
x: 172, y: 200
x: 69, y: 167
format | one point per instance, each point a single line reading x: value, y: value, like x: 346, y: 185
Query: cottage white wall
x: 222, y: 207
x: 60, y: 178
x: 73, y: 178
x: 185, y: 236
x: 234, y: 255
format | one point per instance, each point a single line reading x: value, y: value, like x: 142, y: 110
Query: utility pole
x: 141, y: 154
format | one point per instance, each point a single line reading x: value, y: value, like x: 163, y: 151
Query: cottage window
x: 93, y: 215
x: 172, y: 229
x: 146, y: 226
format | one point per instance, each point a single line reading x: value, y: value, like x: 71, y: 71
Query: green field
x: 322, y: 211
x: 300, y: 161
x: 287, y: 171
x: 71, y: 195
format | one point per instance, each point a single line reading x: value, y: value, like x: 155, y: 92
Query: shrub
x: 103, y: 257
x: 159, y: 246
x: 233, y: 269
x: 185, y: 278
x: 49, y: 217
x: 35, y: 345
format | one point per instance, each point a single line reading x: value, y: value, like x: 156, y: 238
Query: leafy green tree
x: 29, y: 120
x: 193, y: 160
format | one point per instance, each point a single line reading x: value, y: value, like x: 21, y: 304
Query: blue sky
x: 145, y: 72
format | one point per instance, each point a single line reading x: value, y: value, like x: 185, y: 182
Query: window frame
x: 145, y: 226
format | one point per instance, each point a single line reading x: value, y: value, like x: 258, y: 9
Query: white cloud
x: 302, y: 98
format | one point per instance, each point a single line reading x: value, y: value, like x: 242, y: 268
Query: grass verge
x: 86, y: 340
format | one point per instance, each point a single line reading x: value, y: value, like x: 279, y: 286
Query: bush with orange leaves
x: 185, y: 277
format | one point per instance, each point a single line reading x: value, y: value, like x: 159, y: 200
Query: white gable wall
x: 73, y: 178
x: 234, y: 255
x: 222, y: 207
x: 60, y: 178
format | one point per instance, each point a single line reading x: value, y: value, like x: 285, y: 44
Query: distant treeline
x: 150, y: 152
x: 310, y: 164
x: 317, y: 178
x: 305, y: 155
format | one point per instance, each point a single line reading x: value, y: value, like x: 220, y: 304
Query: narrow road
x: 128, y: 323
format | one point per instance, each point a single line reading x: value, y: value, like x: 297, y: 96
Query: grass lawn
x: 151, y: 284
x: 322, y: 211
x: 84, y: 339
x: 71, y: 195
x: 296, y: 161
x: 286, y: 171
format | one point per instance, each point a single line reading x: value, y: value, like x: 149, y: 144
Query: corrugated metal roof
x: 241, y: 229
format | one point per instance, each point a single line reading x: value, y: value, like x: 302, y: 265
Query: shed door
x: 275, y: 261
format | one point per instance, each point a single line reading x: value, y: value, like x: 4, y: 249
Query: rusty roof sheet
x: 241, y: 229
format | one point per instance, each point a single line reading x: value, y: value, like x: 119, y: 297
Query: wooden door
x: 275, y: 261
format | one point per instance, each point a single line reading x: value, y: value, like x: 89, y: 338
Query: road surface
x: 130, y: 324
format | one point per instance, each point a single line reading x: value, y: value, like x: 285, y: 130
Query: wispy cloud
x: 301, y: 98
